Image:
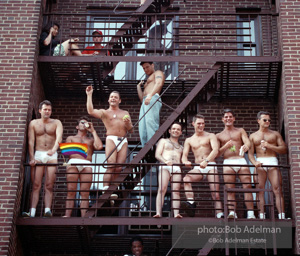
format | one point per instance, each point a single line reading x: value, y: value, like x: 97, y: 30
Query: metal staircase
x: 203, y: 90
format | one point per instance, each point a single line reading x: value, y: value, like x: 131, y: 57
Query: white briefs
x: 267, y: 161
x: 80, y: 161
x: 43, y: 157
x: 117, y: 141
x: 171, y: 169
x: 239, y: 161
x: 206, y: 169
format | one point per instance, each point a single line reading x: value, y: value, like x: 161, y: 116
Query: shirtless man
x: 205, y: 148
x: 117, y: 123
x: 44, y: 136
x: 234, y: 143
x: 149, y: 124
x: 267, y: 144
x: 82, y: 172
x: 169, y: 152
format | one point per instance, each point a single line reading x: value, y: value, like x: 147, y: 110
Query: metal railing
x: 173, y: 33
x: 137, y: 195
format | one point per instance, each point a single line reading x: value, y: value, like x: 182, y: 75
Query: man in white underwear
x: 234, y: 143
x: 267, y: 144
x: 117, y: 123
x: 205, y: 148
x: 44, y: 136
x: 83, y: 173
x: 169, y: 152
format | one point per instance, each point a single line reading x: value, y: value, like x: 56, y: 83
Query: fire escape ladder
x: 206, y: 80
x: 133, y: 29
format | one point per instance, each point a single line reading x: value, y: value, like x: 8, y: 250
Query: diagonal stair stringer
x: 136, y: 160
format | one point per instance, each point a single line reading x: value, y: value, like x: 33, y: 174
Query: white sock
x: 220, y: 214
x: 32, y: 212
x: 47, y: 210
x: 250, y: 213
x: 190, y: 200
x: 262, y: 216
x: 281, y: 216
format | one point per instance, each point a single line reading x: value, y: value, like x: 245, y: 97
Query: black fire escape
x: 232, y: 74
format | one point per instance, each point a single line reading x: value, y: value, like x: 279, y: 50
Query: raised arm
x: 98, y: 113
x: 98, y: 145
x: 48, y: 39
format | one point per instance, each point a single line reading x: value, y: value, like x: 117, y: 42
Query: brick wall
x: 20, y: 22
x: 289, y: 20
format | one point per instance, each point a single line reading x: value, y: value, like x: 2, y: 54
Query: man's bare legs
x: 72, y: 178
x: 71, y: 48
x: 113, y: 171
x: 192, y: 176
x: 214, y: 185
x: 50, y: 178
x: 86, y: 177
x: 245, y: 178
x: 275, y: 179
x: 163, y: 181
x: 229, y: 180
x: 37, y: 174
x: 261, y: 179
x: 175, y: 186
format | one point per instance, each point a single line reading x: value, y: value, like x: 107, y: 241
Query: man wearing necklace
x: 205, y: 148
x: 82, y: 172
x: 169, y: 152
x: 117, y: 123
x: 151, y: 104
x: 234, y: 143
x: 267, y: 144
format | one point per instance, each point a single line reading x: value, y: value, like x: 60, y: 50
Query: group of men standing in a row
x: 45, y: 134
x: 232, y: 143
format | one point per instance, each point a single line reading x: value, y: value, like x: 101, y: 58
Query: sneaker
x: 26, y: 214
x: 262, y: 216
x: 189, y: 208
x: 232, y: 215
x: 220, y: 215
x: 48, y: 214
x: 251, y: 216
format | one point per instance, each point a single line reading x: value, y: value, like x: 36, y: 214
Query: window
x: 158, y: 41
x: 249, y: 35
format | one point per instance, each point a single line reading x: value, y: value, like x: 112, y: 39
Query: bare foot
x: 156, y: 216
x: 178, y: 216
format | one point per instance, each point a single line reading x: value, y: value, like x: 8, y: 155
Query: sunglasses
x: 267, y: 120
x: 82, y: 122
